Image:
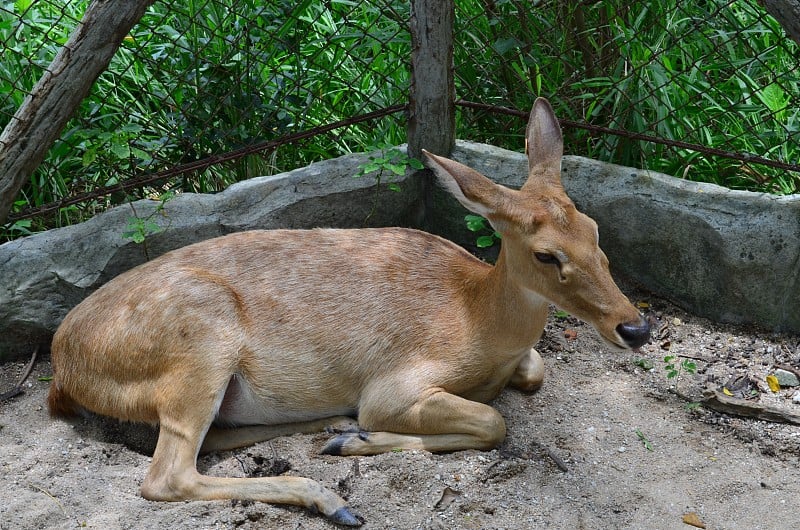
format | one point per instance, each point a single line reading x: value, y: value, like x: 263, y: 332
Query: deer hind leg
x: 173, y: 474
x: 529, y: 374
x: 438, y: 422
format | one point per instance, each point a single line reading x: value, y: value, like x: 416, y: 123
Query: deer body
x: 253, y: 335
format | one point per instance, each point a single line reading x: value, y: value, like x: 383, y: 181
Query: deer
x: 395, y: 337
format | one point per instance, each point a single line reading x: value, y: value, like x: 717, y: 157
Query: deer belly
x: 242, y: 406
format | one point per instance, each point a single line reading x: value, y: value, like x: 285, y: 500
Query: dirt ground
x: 607, y: 443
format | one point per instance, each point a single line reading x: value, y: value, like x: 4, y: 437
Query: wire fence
x: 207, y: 92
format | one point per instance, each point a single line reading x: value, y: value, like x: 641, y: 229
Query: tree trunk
x: 432, y: 111
x: 787, y: 13
x: 44, y: 113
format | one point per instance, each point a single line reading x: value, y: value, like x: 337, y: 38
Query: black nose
x: 635, y: 334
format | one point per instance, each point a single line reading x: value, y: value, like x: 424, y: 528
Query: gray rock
x: 786, y: 378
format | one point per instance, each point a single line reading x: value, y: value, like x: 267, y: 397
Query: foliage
x: 675, y: 367
x: 199, y: 79
x: 487, y: 236
x: 387, y: 158
x: 716, y: 73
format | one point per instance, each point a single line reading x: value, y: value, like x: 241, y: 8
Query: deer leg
x: 529, y: 374
x: 225, y: 439
x: 173, y: 476
x: 438, y: 422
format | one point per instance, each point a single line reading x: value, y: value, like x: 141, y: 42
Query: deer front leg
x: 225, y: 439
x: 437, y: 422
x: 529, y: 374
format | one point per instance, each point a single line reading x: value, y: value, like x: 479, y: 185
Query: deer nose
x: 635, y: 334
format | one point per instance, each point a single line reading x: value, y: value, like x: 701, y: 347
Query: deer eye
x: 544, y: 257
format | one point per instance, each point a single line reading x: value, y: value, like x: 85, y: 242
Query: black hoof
x: 345, y: 517
x: 335, y: 445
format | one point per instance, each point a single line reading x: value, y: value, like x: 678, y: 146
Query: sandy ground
x: 605, y: 444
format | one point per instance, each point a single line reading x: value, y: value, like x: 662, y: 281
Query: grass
x: 202, y: 78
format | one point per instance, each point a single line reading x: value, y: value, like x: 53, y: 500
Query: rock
x: 796, y: 397
x: 786, y: 378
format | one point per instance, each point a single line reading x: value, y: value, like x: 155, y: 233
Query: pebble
x: 786, y: 378
x: 796, y: 397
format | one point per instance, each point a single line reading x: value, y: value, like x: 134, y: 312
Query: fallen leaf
x: 642, y: 305
x: 570, y: 334
x: 448, y: 496
x: 726, y: 391
x: 773, y: 383
x: 693, y: 519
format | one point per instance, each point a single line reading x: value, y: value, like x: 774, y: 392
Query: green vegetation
x: 199, y: 79
x: 675, y: 367
x: 716, y: 73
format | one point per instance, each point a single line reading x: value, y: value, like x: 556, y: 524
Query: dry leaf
x: 726, y: 391
x: 448, y: 496
x: 570, y: 334
x: 773, y: 383
x: 693, y: 519
x: 642, y: 305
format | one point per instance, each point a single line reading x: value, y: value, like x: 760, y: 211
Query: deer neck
x: 512, y: 317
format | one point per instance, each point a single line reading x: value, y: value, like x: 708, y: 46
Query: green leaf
x: 416, y: 164
x: 121, y: 150
x: 475, y: 223
x: 644, y: 363
x: 485, y: 241
x: 561, y: 314
x: 645, y: 441
x: 393, y: 186
x: 397, y: 169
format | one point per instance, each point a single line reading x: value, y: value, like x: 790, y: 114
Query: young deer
x: 259, y: 334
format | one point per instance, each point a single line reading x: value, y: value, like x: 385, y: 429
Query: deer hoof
x: 345, y: 517
x: 337, y: 446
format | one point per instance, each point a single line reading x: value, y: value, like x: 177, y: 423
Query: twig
x: 553, y: 456
x: 718, y: 401
x: 58, y: 502
x: 17, y: 390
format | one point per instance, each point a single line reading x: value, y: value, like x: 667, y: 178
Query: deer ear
x: 474, y: 191
x: 543, y: 142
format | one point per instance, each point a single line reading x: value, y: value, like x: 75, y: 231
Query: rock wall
x: 731, y: 256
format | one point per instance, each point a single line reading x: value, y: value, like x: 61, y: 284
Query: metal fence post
x: 431, y: 121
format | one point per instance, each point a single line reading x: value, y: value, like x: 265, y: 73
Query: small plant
x: 390, y: 160
x: 675, y: 367
x: 476, y: 223
x: 644, y: 363
x: 645, y: 441
x: 139, y: 228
